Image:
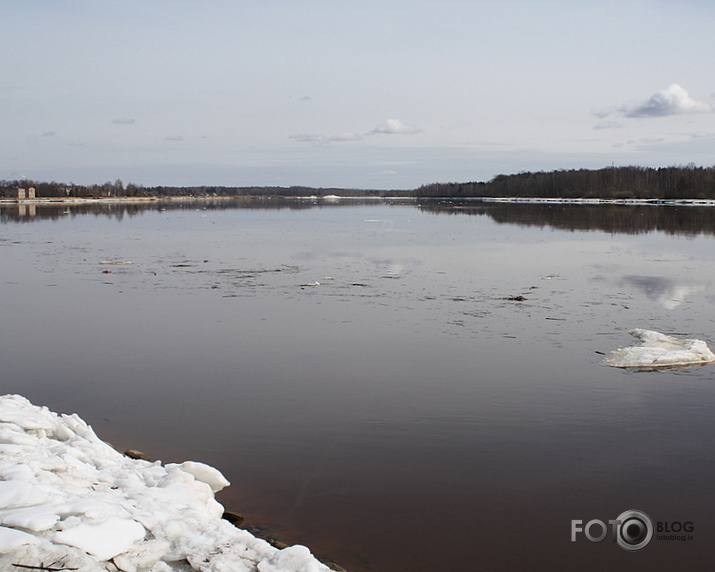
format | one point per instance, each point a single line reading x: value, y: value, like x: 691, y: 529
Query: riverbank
x: 69, y: 501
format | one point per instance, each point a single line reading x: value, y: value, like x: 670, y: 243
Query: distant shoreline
x: 337, y: 198
x: 77, y: 200
x: 627, y: 183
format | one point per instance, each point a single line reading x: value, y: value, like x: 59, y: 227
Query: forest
x: 666, y: 183
x: 631, y: 182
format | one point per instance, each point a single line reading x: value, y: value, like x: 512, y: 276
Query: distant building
x: 28, y: 193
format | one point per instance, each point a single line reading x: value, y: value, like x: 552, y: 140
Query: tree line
x: 667, y: 183
x: 632, y: 182
x: 53, y: 189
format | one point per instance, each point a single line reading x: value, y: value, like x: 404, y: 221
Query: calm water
x: 404, y: 414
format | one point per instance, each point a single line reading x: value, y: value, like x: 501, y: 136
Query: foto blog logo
x: 632, y: 530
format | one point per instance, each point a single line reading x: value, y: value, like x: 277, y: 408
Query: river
x: 401, y: 386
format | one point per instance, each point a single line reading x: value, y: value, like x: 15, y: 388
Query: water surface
x: 400, y: 386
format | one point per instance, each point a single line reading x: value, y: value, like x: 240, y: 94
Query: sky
x: 378, y: 94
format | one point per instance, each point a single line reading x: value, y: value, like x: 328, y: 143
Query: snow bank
x: 70, y: 501
x: 658, y: 350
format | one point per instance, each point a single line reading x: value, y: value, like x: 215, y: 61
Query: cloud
x: 174, y: 138
x: 308, y: 137
x: 389, y: 127
x: 49, y: 134
x: 673, y: 100
x: 344, y: 137
x: 124, y: 121
x: 603, y: 113
x: 396, y: 127
x: 608, y: 125
x: 641, y: 143
x: 319, y: 138
x: 646, y: 141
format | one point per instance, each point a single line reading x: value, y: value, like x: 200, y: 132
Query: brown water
x: 437, y: 402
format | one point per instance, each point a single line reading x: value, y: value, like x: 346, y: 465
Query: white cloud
x: 124, y: 121
x: 396, y: 127
x: 174, y: 138
x: 49, y: 134
x: 673, y: 100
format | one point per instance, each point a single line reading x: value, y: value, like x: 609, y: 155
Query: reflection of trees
x: 55, y: 211
x: 12, y: 212
x: 623, y: 219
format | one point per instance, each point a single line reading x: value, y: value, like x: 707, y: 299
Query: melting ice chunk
x: 657, y: 350
x: 205, y: 474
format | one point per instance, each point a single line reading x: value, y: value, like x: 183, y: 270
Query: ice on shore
x: 68, y: 500
x: 658, y: 350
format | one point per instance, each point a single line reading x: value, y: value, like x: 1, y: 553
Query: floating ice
x: 68, y: 498
x: 657, y: 350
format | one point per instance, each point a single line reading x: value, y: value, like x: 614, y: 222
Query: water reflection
x: 614, y: 219
x: 609, y: 218
x: 667, y: 292
x: 54, y: 210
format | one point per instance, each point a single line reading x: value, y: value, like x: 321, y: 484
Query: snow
x: 11, y: 539
x: 658, y: 350
x: 205, y: 474
x: 68, y: 499
x: 104, y: 540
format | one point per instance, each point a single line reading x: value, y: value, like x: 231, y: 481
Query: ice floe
x: 658, y: 350
x: 69, y: 501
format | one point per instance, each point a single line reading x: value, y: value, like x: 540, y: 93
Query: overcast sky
x: 350, y: 93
